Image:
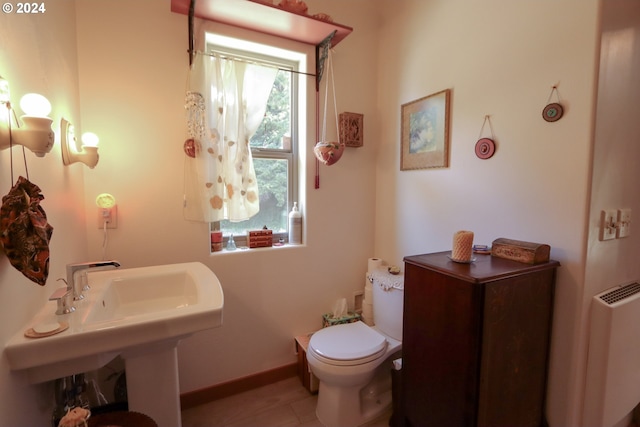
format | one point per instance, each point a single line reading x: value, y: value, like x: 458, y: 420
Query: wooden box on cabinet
x: 475, y: 341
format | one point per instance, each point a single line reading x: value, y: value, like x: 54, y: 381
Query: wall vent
x: 612, y: 386
x: 618, y: 294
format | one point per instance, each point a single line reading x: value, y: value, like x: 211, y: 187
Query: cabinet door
x: 517, y: 320
x: 441, y: 344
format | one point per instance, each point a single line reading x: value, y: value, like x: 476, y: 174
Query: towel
x: 25, y: 232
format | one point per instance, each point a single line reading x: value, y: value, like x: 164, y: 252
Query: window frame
x: 291, y: 155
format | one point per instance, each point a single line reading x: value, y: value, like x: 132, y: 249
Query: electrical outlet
x: 624, y: 223
x: 608, y: 224
x: 108, y: 216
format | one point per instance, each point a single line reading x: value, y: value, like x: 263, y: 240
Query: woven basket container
x: 122, y: 419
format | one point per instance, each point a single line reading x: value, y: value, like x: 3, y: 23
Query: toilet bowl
x: 353, y: 363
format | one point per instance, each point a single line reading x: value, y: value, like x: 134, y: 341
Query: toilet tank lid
x: 348, y: 341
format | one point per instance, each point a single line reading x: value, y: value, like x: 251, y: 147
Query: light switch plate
x: 607, y: 224
x: 624, y: 223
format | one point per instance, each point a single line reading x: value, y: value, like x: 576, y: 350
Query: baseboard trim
x: 226, y: 389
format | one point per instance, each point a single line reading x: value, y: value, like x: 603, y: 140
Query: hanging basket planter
x: 329, y: 152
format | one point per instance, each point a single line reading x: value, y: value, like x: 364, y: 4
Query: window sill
x: 246, y: 249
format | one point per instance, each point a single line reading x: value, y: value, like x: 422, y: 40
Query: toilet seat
x: 347, y: 344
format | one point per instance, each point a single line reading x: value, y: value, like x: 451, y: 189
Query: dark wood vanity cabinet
x: 475, y: 341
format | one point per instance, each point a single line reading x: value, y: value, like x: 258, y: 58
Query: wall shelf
x: 265, y: 18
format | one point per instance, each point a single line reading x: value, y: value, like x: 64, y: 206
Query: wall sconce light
x: 70, y: 154
x: 35, y: 133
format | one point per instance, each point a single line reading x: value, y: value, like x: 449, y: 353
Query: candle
x: 462, y: 246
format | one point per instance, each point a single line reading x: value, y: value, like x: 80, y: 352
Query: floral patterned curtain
x: 226, y: 102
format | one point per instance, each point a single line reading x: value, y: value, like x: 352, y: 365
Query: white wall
x: 38, y: 54
x: 501, y: 59
x: 133, y: 67
x: 616, y: 150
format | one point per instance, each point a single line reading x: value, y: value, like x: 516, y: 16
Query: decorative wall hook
x: 322, y: 52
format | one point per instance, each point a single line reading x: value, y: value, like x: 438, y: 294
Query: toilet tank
x: 388, y: 302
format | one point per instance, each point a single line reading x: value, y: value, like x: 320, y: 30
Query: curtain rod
x: 246, y: 61
x: 192, y: 7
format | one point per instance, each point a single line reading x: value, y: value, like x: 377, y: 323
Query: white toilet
x: 353, y: 362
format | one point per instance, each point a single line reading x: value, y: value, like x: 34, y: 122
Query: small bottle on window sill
x: 231, y: 244
x: 295, y: 225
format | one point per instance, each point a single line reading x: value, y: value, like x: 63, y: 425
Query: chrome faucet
x: 72, y: 268
x: 64, y: 297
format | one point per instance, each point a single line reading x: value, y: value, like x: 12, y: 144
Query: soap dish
x: 46, y: 330
x: 394, y: 269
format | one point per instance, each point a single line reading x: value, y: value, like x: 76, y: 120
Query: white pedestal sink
x: 149, y: 393
x: 138, y: 313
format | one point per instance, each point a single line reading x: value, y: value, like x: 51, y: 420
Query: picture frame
x: 425, y: 132
x: 351, y: 129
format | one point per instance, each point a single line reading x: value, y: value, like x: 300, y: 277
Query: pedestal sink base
x: 153, y: 386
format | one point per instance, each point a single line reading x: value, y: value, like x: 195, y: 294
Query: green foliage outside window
x: 272, y: 172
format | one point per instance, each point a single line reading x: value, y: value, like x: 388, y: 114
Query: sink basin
x: 142, y: 294
x: 125, y: 310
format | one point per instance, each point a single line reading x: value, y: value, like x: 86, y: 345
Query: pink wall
x: 128, y: 78
x: 38, y: 54
x: 132, y: 86
x: 498, y: 61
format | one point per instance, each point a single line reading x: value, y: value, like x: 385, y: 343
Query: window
x: 273, y: 146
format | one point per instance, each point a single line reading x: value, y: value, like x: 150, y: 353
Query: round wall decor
x: 552, y: 112
x: 485, y: 148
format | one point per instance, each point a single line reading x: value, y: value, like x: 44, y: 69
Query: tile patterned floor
x: 282, y: 404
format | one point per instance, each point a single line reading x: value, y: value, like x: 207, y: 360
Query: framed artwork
x: 425, y: 132
x: 351, y: 129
